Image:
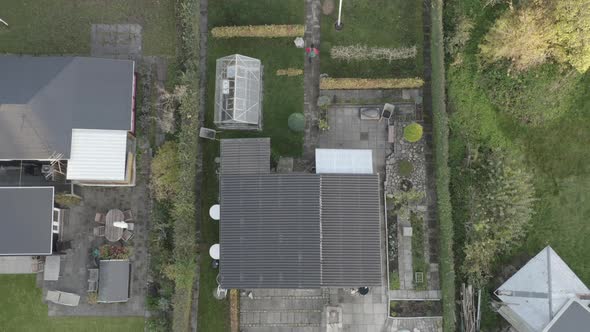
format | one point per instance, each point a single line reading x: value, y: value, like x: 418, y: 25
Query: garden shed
x: 238, y: 93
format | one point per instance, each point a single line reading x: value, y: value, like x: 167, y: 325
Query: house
x: 72, y: 115
x: 30, y: 225
x: 295, y: 230
x: 114, y: 281
x: 545, y: 295
x: 238, y: 93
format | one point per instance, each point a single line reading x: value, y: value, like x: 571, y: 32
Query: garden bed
x: 392, y: 264
x: 415, y: 308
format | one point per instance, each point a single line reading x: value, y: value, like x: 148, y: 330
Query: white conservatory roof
x: 238, y: 90
x: 540, y: 289
x: 97, y: 155
x: 344, y: 161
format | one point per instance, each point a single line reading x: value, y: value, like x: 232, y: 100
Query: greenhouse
x: 238, y: 93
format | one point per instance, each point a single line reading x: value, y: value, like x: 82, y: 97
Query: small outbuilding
x: 113, y: 281
x: 238, y: 93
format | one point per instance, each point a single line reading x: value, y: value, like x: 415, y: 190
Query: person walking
x: 312, y: 52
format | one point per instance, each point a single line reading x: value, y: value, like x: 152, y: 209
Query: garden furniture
x: 112, y: 232
x: 99, y: 231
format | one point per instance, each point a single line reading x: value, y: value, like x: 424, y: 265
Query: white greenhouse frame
x: 238, y: 93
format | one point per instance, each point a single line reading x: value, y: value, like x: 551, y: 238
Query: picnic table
x: 112, y: 232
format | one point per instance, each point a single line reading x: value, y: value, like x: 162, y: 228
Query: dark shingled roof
x: 43, y: 98
x: 25, y: 220
x: 113, y: 281
x: 351, y: 232
x: 245, y: 156
x: 300, y: 231
x: 270, y: 231
x: 573, y: 318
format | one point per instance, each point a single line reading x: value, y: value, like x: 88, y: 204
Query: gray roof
x: 351, y: 231
x: 300, y: 231
x: 43, y: 98
x: 572, y: 318
x: 270, y: 231
x: 245, y: 156
x: 113, y: 280
x: 25, y: 220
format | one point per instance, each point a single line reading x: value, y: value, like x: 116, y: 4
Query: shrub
x: 413, y: 132
x: 364, y: 83
x: 363, y: 52
x: 67, y: 201
x: 405, y: 168
x: 502, y: 207
x: 323, y: 125
x: 264, y: 31
x: 92, y: 298
x: 108, y: 251
x: 165, y: 170
x: 297, y: 122
x: 289, y: 72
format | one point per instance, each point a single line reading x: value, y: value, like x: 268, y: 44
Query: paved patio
x: 348, y: 131
x: 77, y: 260
x: 119, y: 41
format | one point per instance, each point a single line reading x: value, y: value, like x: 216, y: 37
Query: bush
x: 165, y: 170
x: 405, y: 168
x: 413, y: 132
x: 297, y: 122
x: 364, y: 83
x: 264, y: 31
x: 108, y: 251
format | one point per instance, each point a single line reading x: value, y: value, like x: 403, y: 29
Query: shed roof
x: 270, y: 231
x: 351, y: 231
x: 25, y: 221
x: 539, y: 290
x: 113, y: 281
x: 43, y: 98
x: 245, y: 156
x: 300, y: 231
x: 571, y: 318
x: 98, y: 155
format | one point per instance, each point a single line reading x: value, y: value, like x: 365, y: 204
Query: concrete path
x: 311, y: 78
x: 282, y: 310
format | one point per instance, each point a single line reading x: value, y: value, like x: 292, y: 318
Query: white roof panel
x: 97, y: 155
x: 343, y: 161
x: 540, y: 289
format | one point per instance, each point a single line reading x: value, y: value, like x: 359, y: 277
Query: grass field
x: 282, y: 96
x: 375, y: 23
x: 555, y: 149
x: 63, y: 26
x: 22, y: 310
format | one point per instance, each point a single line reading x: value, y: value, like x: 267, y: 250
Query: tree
x: 519, y: 36
x: 528, y: 36
x: 500, y: 211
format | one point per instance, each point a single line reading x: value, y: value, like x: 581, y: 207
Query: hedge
x: 441, y: 156
x: 364, y: 83
x: 263, y: 31
x: 184, y: 213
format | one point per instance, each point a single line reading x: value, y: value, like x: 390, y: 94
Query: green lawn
x: 63, y: 26
x: 375, y: 23
x: 22, y: 310
x: 282, y: 96
x: 486, y: 103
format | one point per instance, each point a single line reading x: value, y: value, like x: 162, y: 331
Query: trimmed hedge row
x: 184, y: 211
x: 364, y: 83
x: 441, y: 154
x: 261, y: 31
